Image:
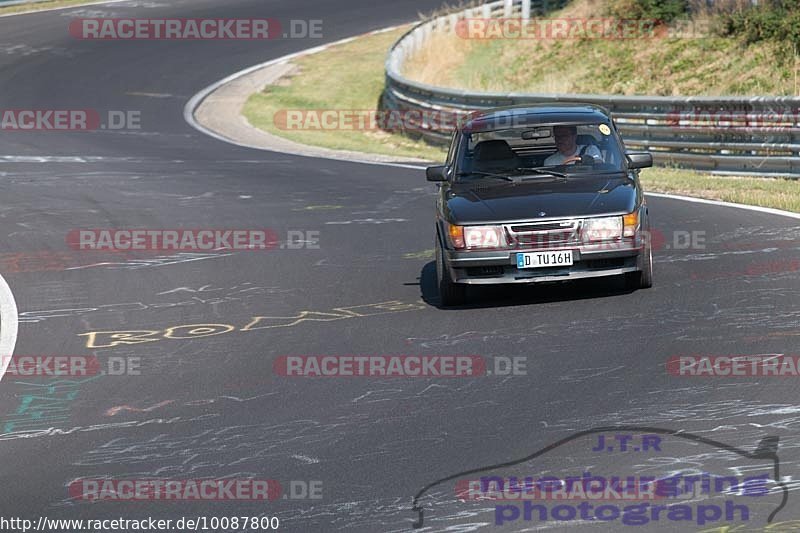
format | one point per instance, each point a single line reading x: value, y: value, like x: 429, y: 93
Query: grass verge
x: 348, y: 76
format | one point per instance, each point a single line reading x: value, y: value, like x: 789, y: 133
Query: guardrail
x: 721, y: 135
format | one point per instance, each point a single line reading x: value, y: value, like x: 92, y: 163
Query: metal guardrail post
x: 507, y: 8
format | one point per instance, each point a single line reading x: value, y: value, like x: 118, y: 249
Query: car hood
x: 487, y: 202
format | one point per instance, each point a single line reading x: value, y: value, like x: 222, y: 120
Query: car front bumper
x: 500, y: 266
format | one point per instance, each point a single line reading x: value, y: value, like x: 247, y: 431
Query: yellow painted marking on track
x: 110, y: 339
x: 424, y: 254
x: 150, y: 95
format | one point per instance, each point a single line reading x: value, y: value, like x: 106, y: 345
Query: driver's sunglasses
x: 562, y: 137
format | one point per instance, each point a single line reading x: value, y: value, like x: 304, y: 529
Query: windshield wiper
x: 544, y: 172
x: 487, y: 174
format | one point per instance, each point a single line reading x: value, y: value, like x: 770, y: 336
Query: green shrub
x: 775, y: 20
x: 662, y: 10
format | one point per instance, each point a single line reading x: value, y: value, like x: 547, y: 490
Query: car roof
x: 534, y: 115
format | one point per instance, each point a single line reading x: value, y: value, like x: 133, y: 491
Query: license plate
x: 555, y: 258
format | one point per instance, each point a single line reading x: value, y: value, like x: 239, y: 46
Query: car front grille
x: 544, y: 226
x: 617, y: 262
x: 489, y: 271
x: 543, y: 234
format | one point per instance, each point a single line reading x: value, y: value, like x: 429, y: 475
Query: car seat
x: 494, y: 156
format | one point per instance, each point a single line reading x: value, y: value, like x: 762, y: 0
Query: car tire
x: 450, y: 293
x: 643, y: 278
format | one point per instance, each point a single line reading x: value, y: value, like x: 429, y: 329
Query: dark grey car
x: 539, y: 194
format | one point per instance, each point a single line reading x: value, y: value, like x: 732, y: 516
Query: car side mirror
x: 639, y: 159
x: 437, y: 173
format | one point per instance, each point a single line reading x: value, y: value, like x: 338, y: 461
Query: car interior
x: 506, y: 150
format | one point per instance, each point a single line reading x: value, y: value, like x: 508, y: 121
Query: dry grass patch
x: 348, y: 76
x: 39, y: 6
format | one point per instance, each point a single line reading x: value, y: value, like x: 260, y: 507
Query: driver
x: 569, y: 152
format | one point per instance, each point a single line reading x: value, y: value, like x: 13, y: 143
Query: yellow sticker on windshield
x: 605, y: 130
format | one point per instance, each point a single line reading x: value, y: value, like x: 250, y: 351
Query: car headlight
x: 471, y: 237
x: 602, y: 229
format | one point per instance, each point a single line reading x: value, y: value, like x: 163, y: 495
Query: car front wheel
x: 450, y: 293
x: 643, y: 278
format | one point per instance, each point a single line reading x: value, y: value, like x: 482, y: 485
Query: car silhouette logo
x: 765, y: 453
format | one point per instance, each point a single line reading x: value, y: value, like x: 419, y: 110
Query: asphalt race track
x: 210, y: 406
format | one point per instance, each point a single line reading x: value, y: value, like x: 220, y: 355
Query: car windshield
x: 540, y: 151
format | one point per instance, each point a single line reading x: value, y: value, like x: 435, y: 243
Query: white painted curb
x: 9, y: 324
